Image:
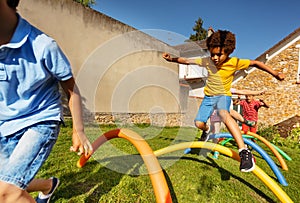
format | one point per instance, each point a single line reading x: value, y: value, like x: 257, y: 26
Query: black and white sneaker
x: 247, y: 163
x: 41, y: 198
x: 205, y: 135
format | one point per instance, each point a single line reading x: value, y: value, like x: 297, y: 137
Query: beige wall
x: 118, y: 68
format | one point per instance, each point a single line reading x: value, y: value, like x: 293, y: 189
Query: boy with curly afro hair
x: 221, y: 69
x: 224, y: 39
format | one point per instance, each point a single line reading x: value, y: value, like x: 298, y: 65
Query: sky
x: 257, y: 24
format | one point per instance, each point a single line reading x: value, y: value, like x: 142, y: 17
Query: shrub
x: 272, y: 135
x: 294, y: 138
x: 268, y: 132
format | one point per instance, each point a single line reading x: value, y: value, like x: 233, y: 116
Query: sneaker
x: 247, y: 161
x: 41, y: 198
x: 216, y: 155
x: 205, y: 135
x: 250, y: 123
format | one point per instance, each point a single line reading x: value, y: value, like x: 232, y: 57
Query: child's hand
x: 280, y: 76
x: 263, y: 103
x: 167, y: 56
x: 81, y: 144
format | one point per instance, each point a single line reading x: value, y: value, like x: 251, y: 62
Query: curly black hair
x: 223, y: 39
x: 13, y: 3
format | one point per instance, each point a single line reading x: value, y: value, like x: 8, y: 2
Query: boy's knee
x: 8, y: 190
x: 201, y: 125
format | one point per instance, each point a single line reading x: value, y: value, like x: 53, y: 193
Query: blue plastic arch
x: 265, y: 156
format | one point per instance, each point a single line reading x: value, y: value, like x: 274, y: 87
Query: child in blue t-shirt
x: 31, y: 68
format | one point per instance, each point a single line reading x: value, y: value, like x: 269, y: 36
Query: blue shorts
x: 210, y: 103
x: 23, y: 153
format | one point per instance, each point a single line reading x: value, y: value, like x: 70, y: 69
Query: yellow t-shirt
x: 219, y: 80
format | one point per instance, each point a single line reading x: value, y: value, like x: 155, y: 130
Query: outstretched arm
x: 180, y: 60
x: 187, y: 61
x: 246, y: 92
x: 260, y: 65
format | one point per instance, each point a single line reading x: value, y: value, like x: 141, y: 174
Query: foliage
x: 201, y: 33
x: 293, y: 139
x: 271, y: 134
x: 87, y: 3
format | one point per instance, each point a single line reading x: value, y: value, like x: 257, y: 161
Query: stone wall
x: 164, y: 120
x: 117, y: 67
x: 281, y: 96
x: 81, y: 31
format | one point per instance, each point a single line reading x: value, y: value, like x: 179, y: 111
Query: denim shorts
x: 23, y: 153
x: 209, y: 103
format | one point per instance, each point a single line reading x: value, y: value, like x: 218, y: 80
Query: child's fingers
x: 79, y: 150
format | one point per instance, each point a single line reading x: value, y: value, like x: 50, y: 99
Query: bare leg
x: 237, y: 116
x: 233, y: 128
x: 215, y: 128
x: 201, y: 125
x: 43, y: 185
x: 11, y: 194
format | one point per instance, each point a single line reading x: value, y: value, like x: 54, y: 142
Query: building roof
x: 281, y: 44
x: 192, y: 49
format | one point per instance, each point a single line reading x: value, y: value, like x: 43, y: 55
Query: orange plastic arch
x: 157, y: 177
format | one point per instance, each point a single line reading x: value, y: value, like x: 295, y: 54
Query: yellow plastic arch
x: 157, y: 177
x: 269, y: 182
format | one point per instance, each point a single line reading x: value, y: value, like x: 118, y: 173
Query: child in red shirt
x: 250, y: 112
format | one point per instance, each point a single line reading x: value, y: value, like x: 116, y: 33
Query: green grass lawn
x: 116, y: 172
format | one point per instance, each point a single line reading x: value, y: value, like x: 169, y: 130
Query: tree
x: 87, y: 3
x: 201, y: 33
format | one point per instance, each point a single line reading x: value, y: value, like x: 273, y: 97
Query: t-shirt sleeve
x: 243, y: 64
x: 56, y: 62
x: 203, y: 61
